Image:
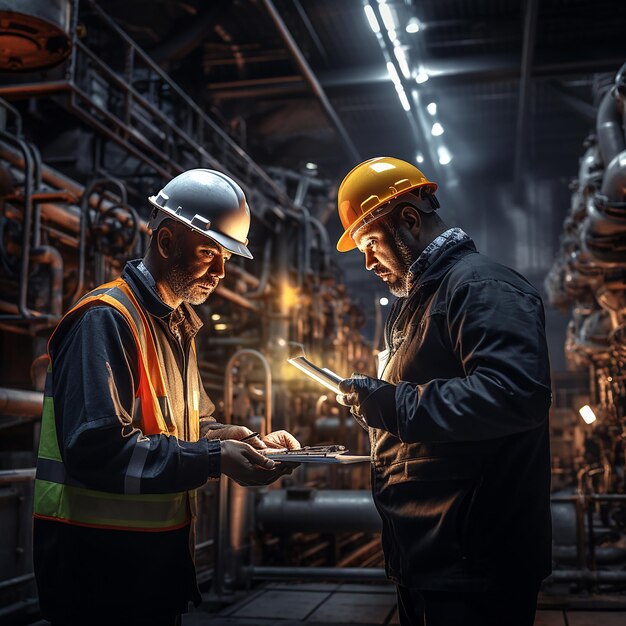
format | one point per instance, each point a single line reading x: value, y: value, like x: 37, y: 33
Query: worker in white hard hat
x: 127, y: 428
x: 458, y: 415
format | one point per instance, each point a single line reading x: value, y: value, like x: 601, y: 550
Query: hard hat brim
x: 232, y: 245
x: 346, y: 243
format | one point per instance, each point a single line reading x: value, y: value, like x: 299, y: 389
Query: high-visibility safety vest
x: 59, y: 497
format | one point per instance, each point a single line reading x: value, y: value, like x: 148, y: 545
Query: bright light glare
x: 220, y: 326
x: 371, y: 18
x: 384, y: 301
x: 404, y: 101
x: 432, y: 108
x: 420, y: 157
x: 216, y: 317
x: 393, y: 73
x: 281, y: 342
x: 436, y: 130
x: 413, y: 26
x: 402, y: 61
x: 421, y: 77
x: 311, y: 166
x: 586, y: 412
x: 444, y: 156
x: 385, y: 13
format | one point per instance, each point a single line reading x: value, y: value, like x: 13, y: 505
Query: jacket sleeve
x: 497, y: 334
x: 94, y: 382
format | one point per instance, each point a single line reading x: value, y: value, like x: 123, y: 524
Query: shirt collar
x: 434, y: 250
x: 141, y: 281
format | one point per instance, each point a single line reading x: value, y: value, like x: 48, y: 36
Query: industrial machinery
x: 73, y: 209
x: 589, y: 277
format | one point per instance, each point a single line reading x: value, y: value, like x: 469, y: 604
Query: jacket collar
x: 142, y: 284
x: 440, y: 267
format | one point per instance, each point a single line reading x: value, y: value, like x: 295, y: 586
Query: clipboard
x: 330, y: 455
x: 322, y: 375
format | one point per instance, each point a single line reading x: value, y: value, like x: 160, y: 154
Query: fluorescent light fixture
x: 436, y: 130
x: 220, y: 326
x: 393, y: 36
x: 384, y: 301
x: 404, y: 101
x: 311, y: 166
x: 586, y: 412
x: 371, y: 18
x: 393, y: 73
x: 402, y: 61
x: 413, y: 26
x: 387, y: 15
x: 421, y: 77
x: 216, y: 317
x: 419, y: 157
x: 431, y: 107
x: 444, y: 155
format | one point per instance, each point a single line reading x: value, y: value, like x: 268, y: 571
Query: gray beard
x: 185, y: 289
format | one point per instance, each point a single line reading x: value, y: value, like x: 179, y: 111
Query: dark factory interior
x: 515, y: 108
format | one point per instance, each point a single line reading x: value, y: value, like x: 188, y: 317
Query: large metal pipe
x: 352, y: 574
x: 611, y: 140
x: 309, y: 510
x: 310, y: 77
x: 20, y: 403
x: 17, y: 475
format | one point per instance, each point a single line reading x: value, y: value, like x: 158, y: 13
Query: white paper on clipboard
x: 338, y: 458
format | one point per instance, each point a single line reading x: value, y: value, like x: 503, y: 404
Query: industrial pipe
x: 17, y: 475
x: 342, y: 574
x: 611, y: 140
x: 614, y: 181
x: 20, y: 403
x: 48, y: 255
x: 308, y: 510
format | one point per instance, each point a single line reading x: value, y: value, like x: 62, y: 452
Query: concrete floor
x: 323, y: 604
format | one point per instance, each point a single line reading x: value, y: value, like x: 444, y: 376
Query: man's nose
x: 370, y: 260
x: 217, y: 266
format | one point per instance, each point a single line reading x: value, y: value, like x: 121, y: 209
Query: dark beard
x: 188, y: 289
x: 400, y: 287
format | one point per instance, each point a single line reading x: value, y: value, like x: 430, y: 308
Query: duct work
x: 589, y: 277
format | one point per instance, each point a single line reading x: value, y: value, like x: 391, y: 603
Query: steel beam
x: 530, y: 29
x: 312, y: 80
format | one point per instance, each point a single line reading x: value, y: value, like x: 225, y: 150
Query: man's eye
x: 208, y: 253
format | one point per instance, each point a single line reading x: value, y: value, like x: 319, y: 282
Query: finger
x: 259, y: 459
x: 256, y: 442
x: 345, y: 386
x: 349, y: 399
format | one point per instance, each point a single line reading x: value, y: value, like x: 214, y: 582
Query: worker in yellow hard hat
x: 458, y: 416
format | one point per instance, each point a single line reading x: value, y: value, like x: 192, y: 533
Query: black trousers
x: 515, y: 606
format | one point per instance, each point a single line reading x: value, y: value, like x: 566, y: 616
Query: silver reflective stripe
x: 54, y: 471
x: 132, y: 480
x: 137, y: 412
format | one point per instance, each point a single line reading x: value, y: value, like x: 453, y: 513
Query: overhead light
x: 371, y: 18
x: 586, y: 412
x: 281, y: 342
x: 420, y: 157
x: 413, y: 26
x: 384, y: 301
x: 393, y: 73
x: 216, y: 317
x: 444, y: 155
x: 385, y: 13
x: 393, y: 36
x: 431, y: 107
x: 404, y: 101
x: 436, y: 130
x: 220, y: 326
x: 421, y: 77
x: 311, y: 166
x: 402, y: 62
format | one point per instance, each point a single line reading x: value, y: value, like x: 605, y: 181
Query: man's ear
x: 411, y: 218
x: 165, y: 242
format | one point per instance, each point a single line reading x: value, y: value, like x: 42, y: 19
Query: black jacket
x: 460, y: 448
x: 92, y: 573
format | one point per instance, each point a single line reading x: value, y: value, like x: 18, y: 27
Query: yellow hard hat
x: 372, y: 184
